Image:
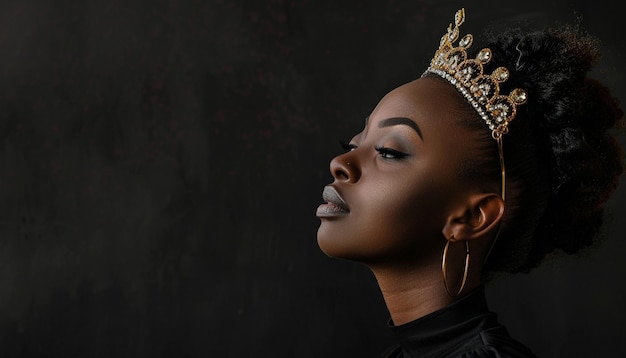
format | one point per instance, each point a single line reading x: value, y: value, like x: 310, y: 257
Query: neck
x: 411, y: 294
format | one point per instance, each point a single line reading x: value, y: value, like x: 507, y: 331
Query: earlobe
x: 479, y: 217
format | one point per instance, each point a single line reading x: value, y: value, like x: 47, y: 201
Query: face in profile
x: 398, y: 181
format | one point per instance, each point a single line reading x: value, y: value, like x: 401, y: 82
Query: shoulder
x: 393, y: 352
x: 496, y: 343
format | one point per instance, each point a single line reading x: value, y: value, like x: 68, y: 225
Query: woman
x: 496, y: 157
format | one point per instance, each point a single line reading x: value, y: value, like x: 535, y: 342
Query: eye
x: 347, y: 146
x: 388, y: 153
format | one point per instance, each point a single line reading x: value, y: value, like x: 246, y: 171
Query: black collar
x: 448, y: 328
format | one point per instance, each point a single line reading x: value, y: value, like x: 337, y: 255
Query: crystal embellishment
x: 480, y: 89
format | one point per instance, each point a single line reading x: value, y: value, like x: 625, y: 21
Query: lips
x: 335, y: 206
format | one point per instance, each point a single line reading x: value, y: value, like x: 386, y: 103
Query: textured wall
x: 161, y: 162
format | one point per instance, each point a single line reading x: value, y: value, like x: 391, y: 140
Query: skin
x: 406, y: 200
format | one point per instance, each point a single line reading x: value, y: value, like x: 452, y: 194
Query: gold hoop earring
x: 465, y: 269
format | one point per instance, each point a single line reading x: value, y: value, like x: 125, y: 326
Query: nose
x: 345, y: 167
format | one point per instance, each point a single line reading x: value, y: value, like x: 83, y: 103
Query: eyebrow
x: 400, y: 120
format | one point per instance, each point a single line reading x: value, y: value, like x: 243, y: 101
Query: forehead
x: 433, y: 104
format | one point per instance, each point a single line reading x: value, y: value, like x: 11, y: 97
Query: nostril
x: 340, y: 174
x: 343, y: 169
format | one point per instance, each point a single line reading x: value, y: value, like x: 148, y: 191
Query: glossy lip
x: 335, y: 206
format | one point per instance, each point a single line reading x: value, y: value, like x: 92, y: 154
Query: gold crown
x: 481, y: 90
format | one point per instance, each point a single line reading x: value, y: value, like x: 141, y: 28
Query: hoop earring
x: 465, y: 269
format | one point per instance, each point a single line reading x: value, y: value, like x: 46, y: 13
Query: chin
x: 326, y: 244
x: 330, y: 243
x: 339, y: 247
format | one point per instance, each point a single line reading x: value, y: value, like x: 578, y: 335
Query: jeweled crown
x: 481, y: 90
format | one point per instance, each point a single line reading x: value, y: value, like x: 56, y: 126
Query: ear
x: 477, y: 217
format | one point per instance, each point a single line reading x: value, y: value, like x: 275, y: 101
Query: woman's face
x: 398, y: 182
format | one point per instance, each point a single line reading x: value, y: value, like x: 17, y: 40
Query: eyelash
x: 386, y: 153
x: 347, y: 146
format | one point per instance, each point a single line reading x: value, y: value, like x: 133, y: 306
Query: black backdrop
x: 161, y: 162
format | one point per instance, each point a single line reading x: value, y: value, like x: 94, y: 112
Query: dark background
x: 161, y: 163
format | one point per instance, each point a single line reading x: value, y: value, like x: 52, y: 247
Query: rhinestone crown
x: 481, y: 90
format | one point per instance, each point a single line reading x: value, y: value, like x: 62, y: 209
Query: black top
x: 466, y: 328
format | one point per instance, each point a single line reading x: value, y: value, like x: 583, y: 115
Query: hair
x: 562, y: 159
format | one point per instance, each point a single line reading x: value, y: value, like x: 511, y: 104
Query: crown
x: 481, y: 90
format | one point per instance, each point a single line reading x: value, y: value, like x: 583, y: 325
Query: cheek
x: 413, y: 213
